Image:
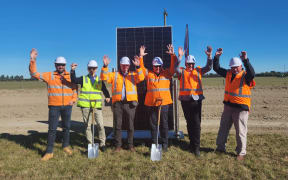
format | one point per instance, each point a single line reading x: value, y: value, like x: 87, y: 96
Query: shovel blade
x: 93, y: 150
x: 156, y: 152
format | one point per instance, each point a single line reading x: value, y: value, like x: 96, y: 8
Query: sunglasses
x: 157, y: 66
x: 92, y: 68
x: 189, y: 64
x: 60, y: 64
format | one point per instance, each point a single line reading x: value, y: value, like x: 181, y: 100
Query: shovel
x: 93, y: 148
x: 156, y: 149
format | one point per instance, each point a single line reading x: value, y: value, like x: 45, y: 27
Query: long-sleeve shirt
x: 79, y: 80
x: 249, y: 76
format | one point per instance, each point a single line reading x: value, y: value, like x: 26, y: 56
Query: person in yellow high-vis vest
x: 237, y: 100
x: 191, y: 95
x: 124, y: 97
x: 90, y: 97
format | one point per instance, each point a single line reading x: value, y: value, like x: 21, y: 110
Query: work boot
x: 117, y: 149
x: 103, y: 148
x: 165, y: 147
x: 240, y: 157
x: 197, y: 151
x: 47, y: 156
x: 132, y: 149
x: 68, y: 151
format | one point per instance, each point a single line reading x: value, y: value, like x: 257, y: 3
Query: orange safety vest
x: 190, y: 83
x: 158, y: 87
x: 117, y: 80
x: 238, y: 91
x: 60, y: 89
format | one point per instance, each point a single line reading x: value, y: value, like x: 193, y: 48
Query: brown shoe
x: 240, y: 157
x: 68, y: 151
x: 117, y: 149
x: 132, y: 149
x: 47, y: 156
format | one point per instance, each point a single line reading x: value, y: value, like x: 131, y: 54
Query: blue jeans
x: 54, y: 114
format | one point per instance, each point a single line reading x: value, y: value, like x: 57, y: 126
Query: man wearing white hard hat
x: 237, y: 100
x: 158, y: 94
x: 124, y: 97
x: 191, y: 95
x: 62, y: 95
x: 90, y: 95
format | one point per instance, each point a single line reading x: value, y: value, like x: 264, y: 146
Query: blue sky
x: 83, y: 30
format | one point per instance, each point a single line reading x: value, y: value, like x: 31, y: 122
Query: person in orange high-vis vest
x: 237, y: 101
x: 62, y: 95
x: 191, y: 95
x: 124, y: 96
x: 158, y: 93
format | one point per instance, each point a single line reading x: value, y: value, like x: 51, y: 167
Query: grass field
x: 267, y: 159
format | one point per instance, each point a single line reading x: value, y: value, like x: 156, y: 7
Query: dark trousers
x: 54, y: 114
x: 153, y: 116
x: 127, y: 109
x: 192, y: 112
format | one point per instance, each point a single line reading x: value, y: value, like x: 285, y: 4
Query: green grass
x: 267, y: 158
x: 12, y: 85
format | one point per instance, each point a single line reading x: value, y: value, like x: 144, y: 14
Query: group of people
x: 62, y: 94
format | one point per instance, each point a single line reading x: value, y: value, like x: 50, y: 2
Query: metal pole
x: 165, y: 14
x: 175, y: 108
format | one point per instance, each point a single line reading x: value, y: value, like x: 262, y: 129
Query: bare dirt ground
x: 23, y: 111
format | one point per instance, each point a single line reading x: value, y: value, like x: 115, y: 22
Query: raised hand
x: 106, y: 60
x: 219, y: 52
x: 243, y: 55
x: 73, y: 66
x: 33, y: 54
x: 142, y: 51
x: 136, y: 61
x: 181, y: 52
x: 170, y: 49
x: 208, y: 52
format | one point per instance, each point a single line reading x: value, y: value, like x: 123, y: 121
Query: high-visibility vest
x: 158, y: 87
x: 60, y: 89
x: 90, y: 93
x: 190, y: 83
x: 238, y: 91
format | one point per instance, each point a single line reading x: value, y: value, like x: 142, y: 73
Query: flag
x: 186, y: 42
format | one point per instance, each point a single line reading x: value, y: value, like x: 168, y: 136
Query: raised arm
x: 250, y: 73
x: 208, y: 65
x: 33, y: 68
x: 139, y: 71
x: 105, y: 75
x: 141, y: 55
x: 74, y: 79
x: 178, y: 62
x: 173, y: 59
x: 216, y: 66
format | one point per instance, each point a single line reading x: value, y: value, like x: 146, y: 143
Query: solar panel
x: 155, y: 39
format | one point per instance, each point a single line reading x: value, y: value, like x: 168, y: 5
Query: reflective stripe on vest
x: 60, y: 94
x: 127, y: 93
x: 90, y: 93
x: 158, y: 89
x: 240, y: 89
x: 199, y: 82
x: 59, y: 87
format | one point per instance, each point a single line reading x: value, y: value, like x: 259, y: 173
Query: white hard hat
x: 235, y: 61
x: 157, y: 61
x: 60, y: 60
x: 190, y: 59
x: 92, y: 63
x: 125, y: 60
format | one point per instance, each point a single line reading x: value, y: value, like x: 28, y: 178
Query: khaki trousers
x: 87, y: 118
x: 239, y: 117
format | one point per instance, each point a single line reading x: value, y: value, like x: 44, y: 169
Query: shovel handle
x: 159, y: 113
x: 93, y: 111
